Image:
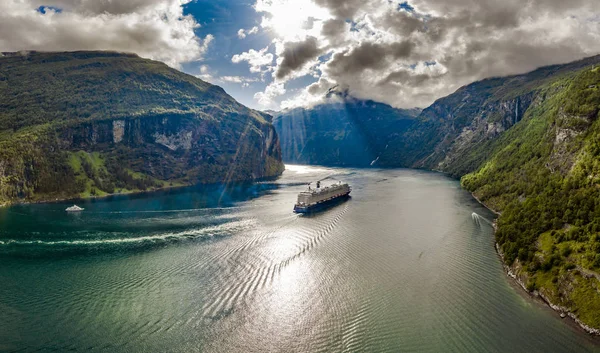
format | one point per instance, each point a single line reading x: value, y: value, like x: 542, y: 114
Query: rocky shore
x: 563, y: 311
x: 512, y: 273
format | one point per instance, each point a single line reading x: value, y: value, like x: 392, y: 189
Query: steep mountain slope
x: 528, y: 146
x: 453, y: 134
x: 91, y: 123
x: 342, y: 132
x: 544, y: 175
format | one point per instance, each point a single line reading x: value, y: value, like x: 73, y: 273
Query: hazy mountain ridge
x: 344, y: 131
x: 91, y: 123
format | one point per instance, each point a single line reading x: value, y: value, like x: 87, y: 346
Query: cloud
x: 242, y: 33
x: 243, y: 81
x: 368, y: 55
x: 296, y: 55
x: 205, y: 74
x: 156, y: 29
x: 311, y: 96
x: 265, y: 99
x: 208, y: 75
x: 344, y: 9
x: 256, y: 59
x: 410, y: 53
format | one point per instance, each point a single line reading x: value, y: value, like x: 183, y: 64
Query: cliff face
x: 94, y: 123
x: 455, y: 133
x: 345, y: 132
x: 487, y: 124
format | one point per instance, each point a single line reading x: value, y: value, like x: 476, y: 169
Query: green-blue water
x: 403, y: 266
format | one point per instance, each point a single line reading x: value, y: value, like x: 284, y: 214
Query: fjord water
x: 404, y: 265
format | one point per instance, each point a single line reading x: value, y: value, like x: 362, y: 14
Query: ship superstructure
x: 317, y: 198
x: 74, y: 208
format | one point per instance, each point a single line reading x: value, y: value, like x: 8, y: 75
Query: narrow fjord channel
x: 404, y: 265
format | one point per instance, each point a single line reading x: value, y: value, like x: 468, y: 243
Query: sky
x: 277, y: 54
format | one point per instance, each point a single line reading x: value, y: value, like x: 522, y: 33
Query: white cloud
x: 238, y: 79
x: 156, y: 29
x: 243, y: 81
x: 256, y: 59
x: 266, y: 98
x: 242, y: 33
x: 205, y: 74
x: 309, y: 96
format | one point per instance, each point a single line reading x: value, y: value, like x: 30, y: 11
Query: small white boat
x: 74, y: 208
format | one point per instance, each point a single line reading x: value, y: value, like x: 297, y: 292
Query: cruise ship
x: 319, y: 198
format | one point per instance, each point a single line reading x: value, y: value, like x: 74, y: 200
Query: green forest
x: 544, y: 178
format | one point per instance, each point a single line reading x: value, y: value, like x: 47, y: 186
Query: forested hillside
x: 94, y: 123
x: 544, y: 176
x: 527, y: 146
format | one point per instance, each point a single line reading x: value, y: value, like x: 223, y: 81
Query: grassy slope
x: 544, y: 176
x: 50, y: 88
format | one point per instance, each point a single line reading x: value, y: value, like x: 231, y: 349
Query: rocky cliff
x: 95, y: 123
x: 543, y: 174
x: 455, y: 133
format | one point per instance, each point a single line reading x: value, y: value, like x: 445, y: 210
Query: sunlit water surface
x: 401, y: 266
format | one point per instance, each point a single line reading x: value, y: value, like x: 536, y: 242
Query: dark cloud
x: 406, y: 77
x: 402, y: 23
x: 333, y: 28
x: 296, y: 55
x: 368, y: 55
x: 344, y: 9
x: 97, y: 7
x: 381, y: 50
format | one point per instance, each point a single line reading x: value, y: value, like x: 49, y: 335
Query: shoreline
x: 91, y: 198
x: 133, y: 193
x: 536, y: 295
x: 563, y: 311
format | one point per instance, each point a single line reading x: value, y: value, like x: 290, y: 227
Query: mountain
x: 93, y: 123
x: 543, y: 174
x: 344, y: 131
x: 528, y: 146
x: 454, y: 134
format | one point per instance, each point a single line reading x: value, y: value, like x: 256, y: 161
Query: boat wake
x: 166, y: 237
x: 477, y: 219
